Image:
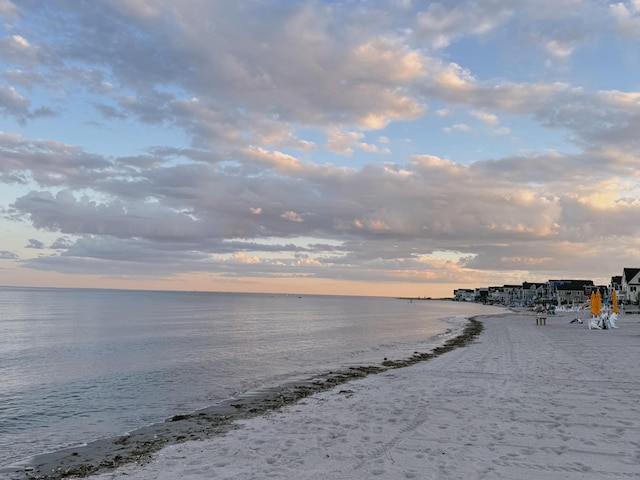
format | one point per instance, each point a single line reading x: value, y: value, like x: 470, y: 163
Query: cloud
x: 109, y: 256
x: 277, y: 160
x: 427, y: 205
x: 558, y: 49
x: 19, y: 50
x: 66, y: 214
x: 458, y: 127
x: 8, y: 9
x: 292, y: 216
x: 242, y: 258
x: 246, y: 139
x: 301, y: 70
x: 50, y: 162
x: 33, y: 243
x: 61, y: 243
x: 6, y: 255
x: 342, y: 142
x: 442, y: 25
x: 627, y: 15
x: 485, y: 117
x: 428, y: 198
x: 11, y: 102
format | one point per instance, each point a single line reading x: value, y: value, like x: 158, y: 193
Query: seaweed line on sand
x: 138, y: 446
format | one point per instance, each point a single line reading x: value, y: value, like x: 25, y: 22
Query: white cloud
x: 558, y: 49
x: 242, y: 258
x: 18, y: 42
x: 628, y: 18
x: 485, y: 117
x: 291, y: 216
x: 307, y: 262
x: 277, y: 160
x: 458, y: 127
x: 454, y: 78
x: 442, y: 23
x: 342, y: 142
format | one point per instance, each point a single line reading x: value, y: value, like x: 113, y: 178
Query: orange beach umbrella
x: 598, y: 303
x: 614, y: 301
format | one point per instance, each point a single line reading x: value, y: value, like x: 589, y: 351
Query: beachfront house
x: 530, y: 292
x: 464, y: 295
x: 630, y: 285
x: 524, y: 294
x: 571, y: 292
x: 616, y: 285
x: 513, y: 294
x: 495, y: 295
x: 482, y: 294
x: 503, y: 295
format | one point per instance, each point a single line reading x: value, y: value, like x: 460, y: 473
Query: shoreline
x: 523, y: 401
x: 138, y: 446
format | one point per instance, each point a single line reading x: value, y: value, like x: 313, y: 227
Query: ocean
x: 81, y: 364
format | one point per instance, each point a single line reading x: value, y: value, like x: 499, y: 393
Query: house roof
x: 557, y: 283
x: 575, y: 285
x: 630, y: 273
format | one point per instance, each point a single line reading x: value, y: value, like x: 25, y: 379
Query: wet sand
x: 139, y: 446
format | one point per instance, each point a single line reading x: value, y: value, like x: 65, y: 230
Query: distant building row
x: 558, y: 292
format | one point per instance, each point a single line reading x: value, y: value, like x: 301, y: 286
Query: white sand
x: 523, y: 402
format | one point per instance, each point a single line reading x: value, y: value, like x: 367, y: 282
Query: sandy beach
x: 524, y: 401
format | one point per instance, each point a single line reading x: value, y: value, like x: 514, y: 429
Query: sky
x: 356, y: 147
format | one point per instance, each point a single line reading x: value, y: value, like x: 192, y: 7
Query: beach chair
x: 595, y: 323
x: 613, y: 318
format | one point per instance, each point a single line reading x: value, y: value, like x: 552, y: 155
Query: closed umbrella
x: 598, y: 303
x: 614, y: 301
x: 592, y: 304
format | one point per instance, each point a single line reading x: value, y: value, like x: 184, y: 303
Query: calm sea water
x: 76, y: 365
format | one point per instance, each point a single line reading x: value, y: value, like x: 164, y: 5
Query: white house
x: 532, y: 291
x: 630, y: 285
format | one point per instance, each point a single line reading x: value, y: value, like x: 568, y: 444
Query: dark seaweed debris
x: 139, y: 445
